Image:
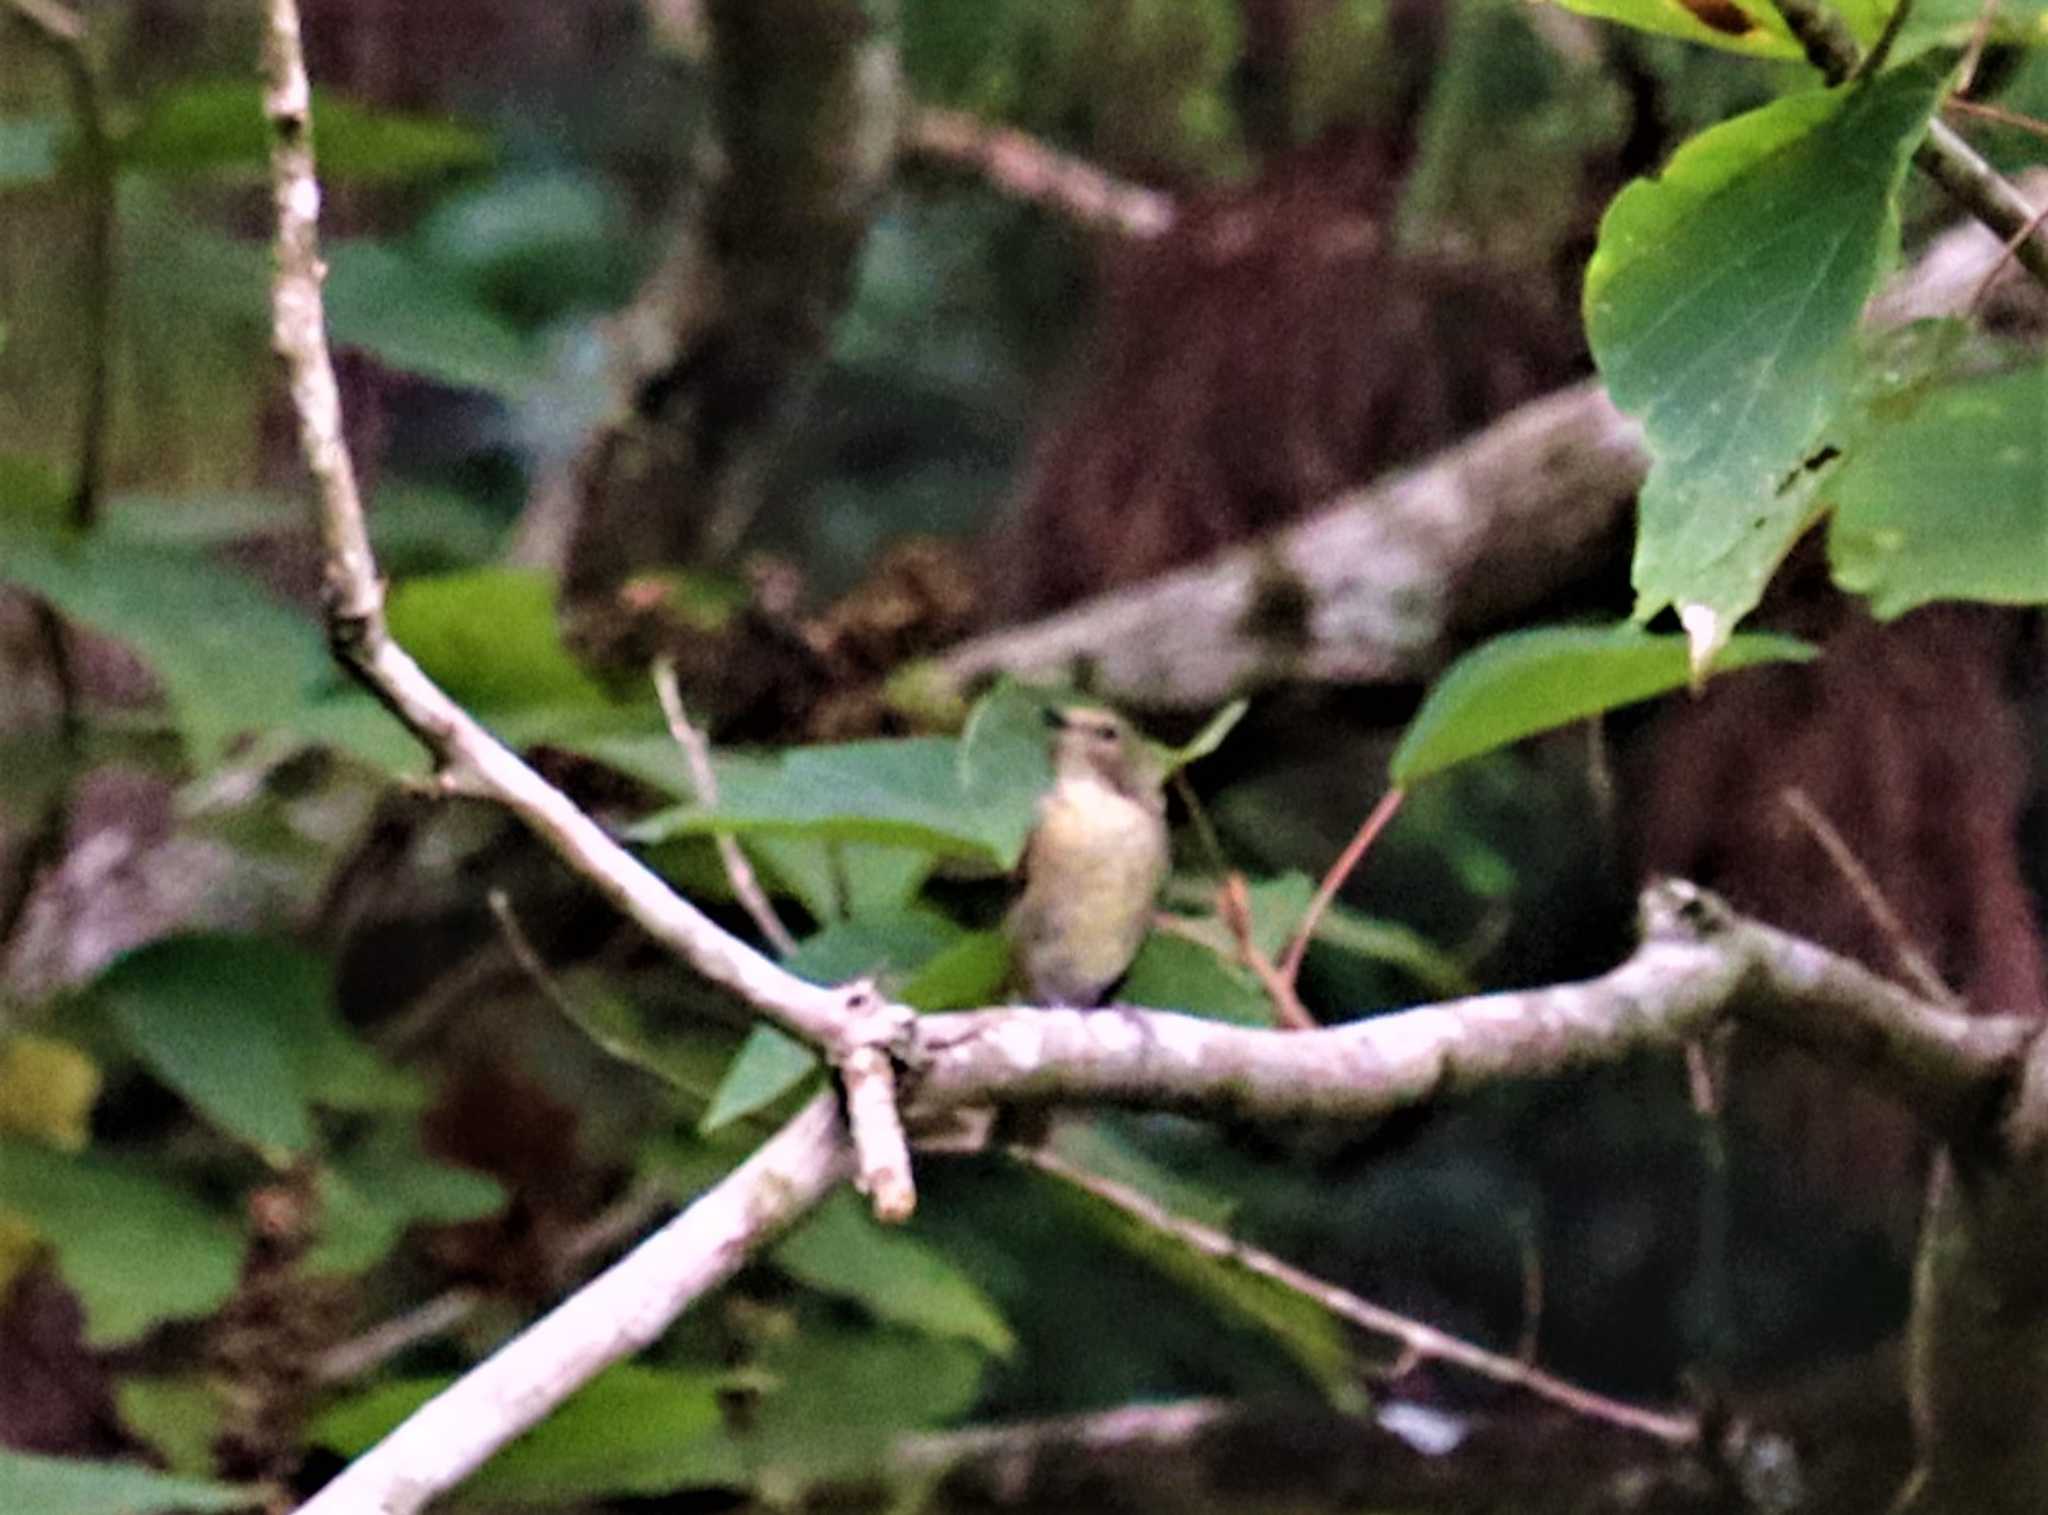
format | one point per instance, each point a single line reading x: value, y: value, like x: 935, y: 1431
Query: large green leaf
x: 1949, y: 501
x: 842, y: 1250
x: 827, y: 1403
x: 1172, y: 973
x: 631, y: 1430
x: 243, y: 1027
x: 233, y: 661
x: 417, y: 317
x: 1004, y: 764
x: 768, y: 1065
x: 33, y: 1485
x: 200, y: 1012
x: 836, y: 1402
x: 1722, y: 306
x: 904, y: 793
x: 216, y: 126
x: 134, y: 1247
x: 489, y: 637
x: 1530, y: 681
x: 1318, y: 1342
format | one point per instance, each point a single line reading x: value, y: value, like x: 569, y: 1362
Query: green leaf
x: 1317, y: 1341
x: 216, y: 126
x: 971, y: 972
x: 1173, y: 973
x: 1738, y: 26
x: 416, y: 317
x: 839, y: 1401
x: 489, y: 637
x: 134, y: 1247
x: 880, y: 880
x: 195, y: 624
x: 1530, y: 681
x: 835, y: 880
x: 973, y: 799
x: 1277, y: 906
x: 902, y: 793
x: 876, y: 946
x: 1949, y: 501
x: 179, y: 1418
x: 1400, y: 946
x: 631, y: 1430
x: 244, y: 1028
x: 201, y: 1020
x: 770, y: 1064
x: 767, y: 1066
x: 1005, y: 764
x: 1209, y: 738
x: 843, y: 1251
x: 37, y: 1485
x: 1722, y: 306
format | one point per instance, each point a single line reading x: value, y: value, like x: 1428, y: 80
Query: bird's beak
x: 1054, y: 717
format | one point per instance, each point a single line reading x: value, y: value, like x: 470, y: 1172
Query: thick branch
x: 1386, y: 583
x: 609, y: 1319
x: 1385, y: 578
x: 1697, y: 963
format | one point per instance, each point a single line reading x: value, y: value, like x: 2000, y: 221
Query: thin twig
x: 615, y: 1047
x: 1906, y: 952
x: 1022, y: 166
x: 1873, y: 61
x: 746, y: 886
x: 1980, y: 37
x: 1233, y: 907
x: 1422, y: 1342
x: 369, y: 1350
x: 1347, y: 860
x: 2011, y: 249
x: 2002, y: 115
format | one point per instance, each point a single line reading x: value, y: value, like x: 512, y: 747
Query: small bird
x: 1093, y: 865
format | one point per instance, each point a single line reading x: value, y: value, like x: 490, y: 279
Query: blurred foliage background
x: 290, y: 1052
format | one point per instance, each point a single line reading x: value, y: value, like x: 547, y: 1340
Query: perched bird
x: 1093, y: 865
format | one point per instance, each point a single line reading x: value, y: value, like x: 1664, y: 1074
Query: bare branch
x: 746, y: 887
x: 1391, y: 574
x: 1347, y: 862
x: 615, y: 1315
x: 470, y: 759
x: 1912, y: 962
x: 1020, y: 165
x: 1419, y: 1342
x: 1697, y: 962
